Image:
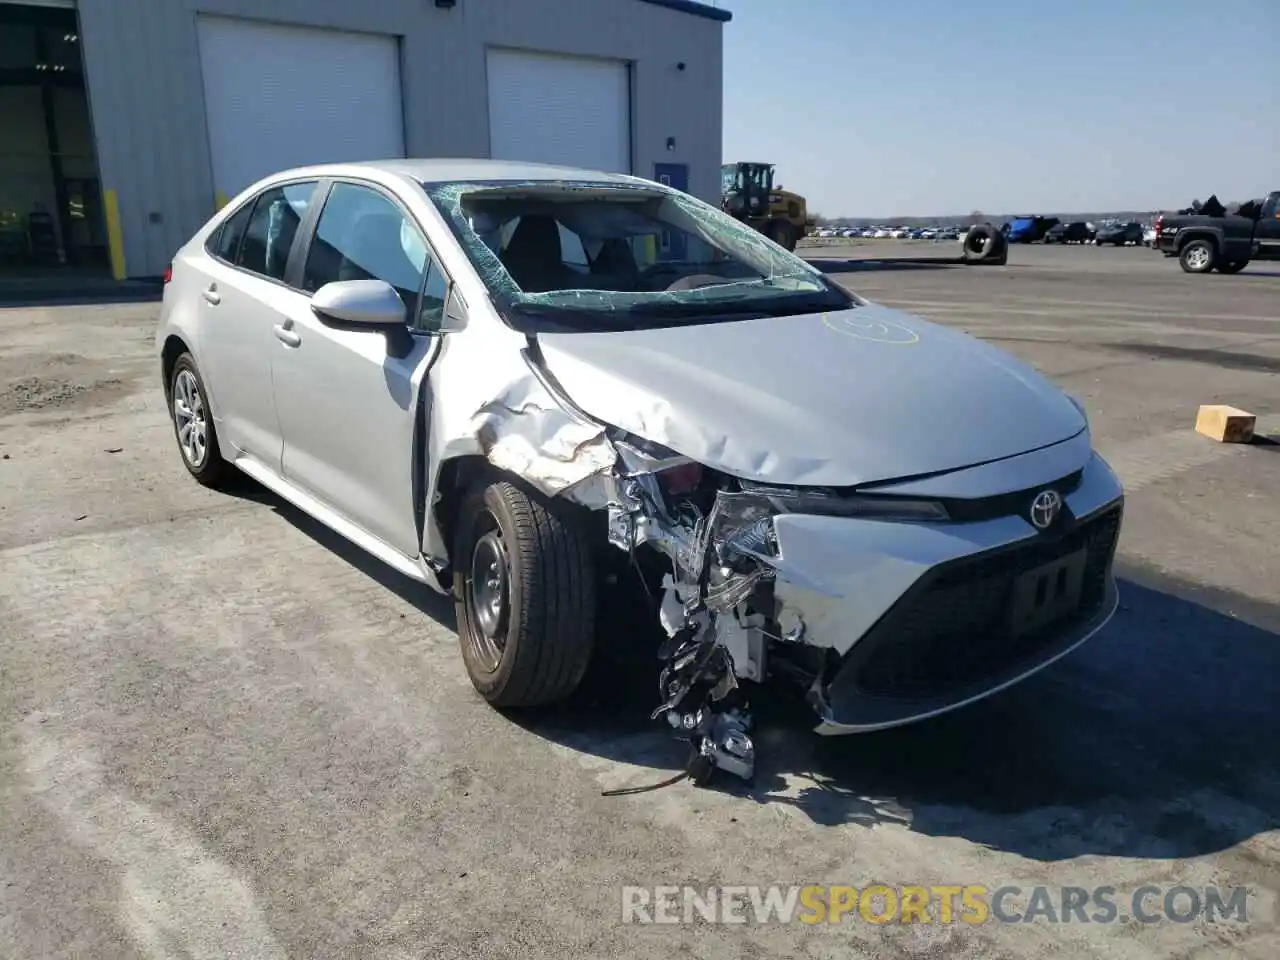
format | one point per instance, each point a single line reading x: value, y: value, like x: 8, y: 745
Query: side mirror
x: 362, y: 303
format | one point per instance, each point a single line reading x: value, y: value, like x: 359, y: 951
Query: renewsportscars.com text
x: 967, y: 904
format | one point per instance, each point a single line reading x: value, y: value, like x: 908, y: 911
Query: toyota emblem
x: 1045, y: 509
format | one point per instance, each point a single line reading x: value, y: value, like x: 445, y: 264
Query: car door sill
x: 410, y: 567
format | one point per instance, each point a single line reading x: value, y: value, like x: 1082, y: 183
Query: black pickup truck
x: 1227, y: 243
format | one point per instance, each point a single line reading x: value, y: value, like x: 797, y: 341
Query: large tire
x: 781, y: 233
x: 985, y: 244
x: 1233, y: 266
x: 193, y: 425
x: 1198, y: 256
x: 535, y: 645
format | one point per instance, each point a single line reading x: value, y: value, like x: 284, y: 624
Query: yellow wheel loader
x: 748, y: 194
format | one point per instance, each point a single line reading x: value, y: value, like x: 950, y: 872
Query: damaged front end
x: 717, y: 605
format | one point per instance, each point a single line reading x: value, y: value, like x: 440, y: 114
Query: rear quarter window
x: 225, y: 242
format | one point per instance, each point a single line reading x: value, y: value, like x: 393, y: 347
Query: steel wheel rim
x: 189, y: 418
x: 489, y: 599
x: 1197, y: 257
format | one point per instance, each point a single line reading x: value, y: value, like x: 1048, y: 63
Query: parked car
x: 1028, y: 229
x: 542, y: 390
x: 1119, y: 234
x: 1076, y: 232
x: 1226, y: 243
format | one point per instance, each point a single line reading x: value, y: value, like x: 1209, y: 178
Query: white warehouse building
x: 125, y: 123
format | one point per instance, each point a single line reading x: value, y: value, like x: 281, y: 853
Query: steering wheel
x: 658, y: 269
x: 696, y: 280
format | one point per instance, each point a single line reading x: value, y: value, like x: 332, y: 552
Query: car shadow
x: 1156, y: 739
x: 435, y: 605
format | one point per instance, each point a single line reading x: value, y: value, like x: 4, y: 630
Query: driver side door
x: 349, y: 400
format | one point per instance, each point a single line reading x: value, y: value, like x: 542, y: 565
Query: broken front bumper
x: 918, y: 616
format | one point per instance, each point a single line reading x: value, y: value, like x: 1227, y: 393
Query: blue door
x: 675, y: 175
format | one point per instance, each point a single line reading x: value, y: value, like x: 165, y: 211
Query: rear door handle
x: 213, y: 296
x: 286, y: 336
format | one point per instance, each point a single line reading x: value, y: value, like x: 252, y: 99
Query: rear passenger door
x: 242, y: 299
x: 348, y: 397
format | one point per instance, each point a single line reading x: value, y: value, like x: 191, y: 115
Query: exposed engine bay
x: 717, y: 604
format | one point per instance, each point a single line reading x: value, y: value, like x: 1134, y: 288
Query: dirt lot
x: 224, y: 732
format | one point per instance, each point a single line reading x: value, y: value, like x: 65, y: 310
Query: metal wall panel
x: 142, y: 66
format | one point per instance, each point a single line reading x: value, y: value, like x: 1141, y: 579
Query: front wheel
x: 781, y: 233
x: 525, y: 590
x: 1234, y: 266
x: 1198, y: 256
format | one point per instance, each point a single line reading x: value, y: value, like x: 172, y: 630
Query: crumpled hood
x: 833, y: 399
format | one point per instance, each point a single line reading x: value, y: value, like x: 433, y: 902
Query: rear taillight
x: 168, y: 272
x: 1159, y: 225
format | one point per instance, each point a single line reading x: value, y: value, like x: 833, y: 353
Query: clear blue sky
x: 918, y: 107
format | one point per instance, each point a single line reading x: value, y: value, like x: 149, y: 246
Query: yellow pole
x: 115, y: 235
x: 220, y: 200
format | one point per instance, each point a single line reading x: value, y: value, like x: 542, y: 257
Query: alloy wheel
x: 189, y: 418
x: 1198, y: 258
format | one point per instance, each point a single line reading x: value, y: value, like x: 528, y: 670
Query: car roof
x: 467, y: 170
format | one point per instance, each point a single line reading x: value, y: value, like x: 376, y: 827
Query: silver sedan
x: 517, y: 383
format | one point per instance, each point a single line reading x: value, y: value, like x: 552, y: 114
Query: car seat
x: 532, y: 256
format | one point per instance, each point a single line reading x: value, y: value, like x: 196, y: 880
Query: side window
x: 362, y: 235
x: 226, y: 242
x: 269, y: 236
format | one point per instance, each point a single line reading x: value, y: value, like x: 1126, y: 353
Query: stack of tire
x: 985, y: 244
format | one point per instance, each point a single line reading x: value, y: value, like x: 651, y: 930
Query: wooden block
x: 1225, y: 424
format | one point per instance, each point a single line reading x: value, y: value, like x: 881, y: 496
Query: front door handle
x: 213, y: 296
x: 288, y: 337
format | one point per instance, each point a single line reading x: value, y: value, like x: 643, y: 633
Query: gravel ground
x: 226, y: 733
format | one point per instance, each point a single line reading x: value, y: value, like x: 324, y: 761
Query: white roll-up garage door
x: 279, y: 96
x: 545, y: 108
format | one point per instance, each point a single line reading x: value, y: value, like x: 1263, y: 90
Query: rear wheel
x: 525, y: 590
x: 1234, y: 266
x: 193, y: 425
x: 1198, y: 256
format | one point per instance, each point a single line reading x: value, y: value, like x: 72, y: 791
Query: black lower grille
x: 952, y: 627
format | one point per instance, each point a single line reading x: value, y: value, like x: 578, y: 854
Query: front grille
x: 990, y: 508
x: 950, y: 629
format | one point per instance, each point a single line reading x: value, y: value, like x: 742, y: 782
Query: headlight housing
x: 744, y: 518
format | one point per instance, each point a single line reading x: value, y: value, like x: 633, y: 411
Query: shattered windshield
x: 604, y: 256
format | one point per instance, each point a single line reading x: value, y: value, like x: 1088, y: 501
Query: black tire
x: 185, y: 382
x: 780, y: 232
x: 1233, y: 266
x: 985, y: 244
x: 540, y: 642
x: 1198, y: 256
x: 979, y: 241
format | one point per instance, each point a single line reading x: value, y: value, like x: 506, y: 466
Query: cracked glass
x: 606, y: 255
